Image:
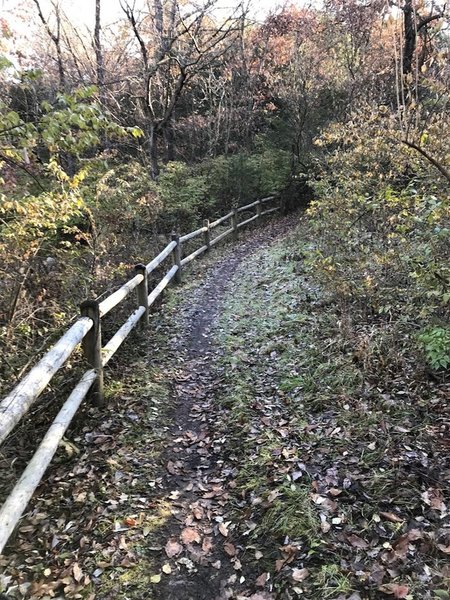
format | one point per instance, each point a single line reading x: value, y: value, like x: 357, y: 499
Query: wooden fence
x: 87, y: 330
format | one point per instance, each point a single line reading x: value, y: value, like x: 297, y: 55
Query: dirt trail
x: 198, y: 479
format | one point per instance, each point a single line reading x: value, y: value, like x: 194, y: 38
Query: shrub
x: 436, y: 344
x: 126, y: 198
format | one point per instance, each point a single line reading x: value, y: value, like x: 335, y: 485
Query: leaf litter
x: 254, y: 486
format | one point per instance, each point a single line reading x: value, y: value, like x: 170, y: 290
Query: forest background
x: 113, y: 134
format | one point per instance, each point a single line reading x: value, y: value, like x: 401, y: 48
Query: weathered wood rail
x: 87, y: 332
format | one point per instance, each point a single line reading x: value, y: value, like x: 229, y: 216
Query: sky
x: 82, y: 11
x: 23, y: 18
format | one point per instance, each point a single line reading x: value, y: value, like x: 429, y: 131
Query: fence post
x: 92, y: 347
x: 176, y: 255
x: 207, y: 235
x: 234, y: 224
x: 258, y: 208
x: 142, y: 293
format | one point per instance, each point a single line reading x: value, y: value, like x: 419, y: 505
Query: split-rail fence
x: 87, y: 331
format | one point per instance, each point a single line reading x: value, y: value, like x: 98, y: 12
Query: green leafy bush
x: 381, y: 221
x: 126, y: 198
x: 184, y: 195
x: 190, y: 193
x: 436, y: 345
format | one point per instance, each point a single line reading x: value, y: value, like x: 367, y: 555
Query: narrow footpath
x: 198, y: 477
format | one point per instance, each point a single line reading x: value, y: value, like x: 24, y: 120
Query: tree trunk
x: 99, y: 54
x: 152, y: 144
x: 409, y: 45
x: 169, y: 138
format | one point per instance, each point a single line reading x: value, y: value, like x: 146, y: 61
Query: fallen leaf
x: 207, y: 545
x: 261, y: 580
x: 198, y: 512
x: 171, y: 468
x: 356, y: 541
x: 395, y: 589
x: 173, y: 548
x: 223, y: 530
x: 299, y: 574
x: 279, y: 564
x: 327, y: 504
x: 274, y: 494
x: 392, y: 517
x: 167, y: 569
x: 155, y: 578
x: 402, y: 543
x: 435, y: 499
x: 77, y: 572
x: 229, y: 549
x: 190, y: 535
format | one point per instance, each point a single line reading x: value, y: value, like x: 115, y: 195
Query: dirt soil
x: 198, y: 475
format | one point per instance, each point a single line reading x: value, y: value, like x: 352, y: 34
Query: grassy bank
x: 341, y: 468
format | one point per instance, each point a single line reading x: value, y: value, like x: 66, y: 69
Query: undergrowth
x: 341, y: 441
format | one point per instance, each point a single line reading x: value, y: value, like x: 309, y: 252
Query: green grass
x: 292, y: 514
x: 331, y: 581
x: 305, y: 376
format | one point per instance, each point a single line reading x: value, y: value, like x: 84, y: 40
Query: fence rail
x: 87, y: 331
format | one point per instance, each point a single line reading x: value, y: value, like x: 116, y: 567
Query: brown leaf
x: 445, y: 549
x: 299, y: 574
x: 279, y: 564
x: 198, y: 512
x: 261, y: 580
x: 395, y: 589
x: 77, y: 572
x: 328, y: 505
x: 391, y: 517
x: 207, y: 545
x: 357, y: 542
x: 289, y: 550
x: 229, y: 549
x: 172, y: 468
x: 435, y: 499
x: 223, y: 530
x: 173, y: 548
x: 190, y: 535
x: 402, y: 543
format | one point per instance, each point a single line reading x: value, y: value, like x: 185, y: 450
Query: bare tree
x: 55, y: 37
x: 185, y: 40
x: 100, y: 64
x: 416, y: 24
